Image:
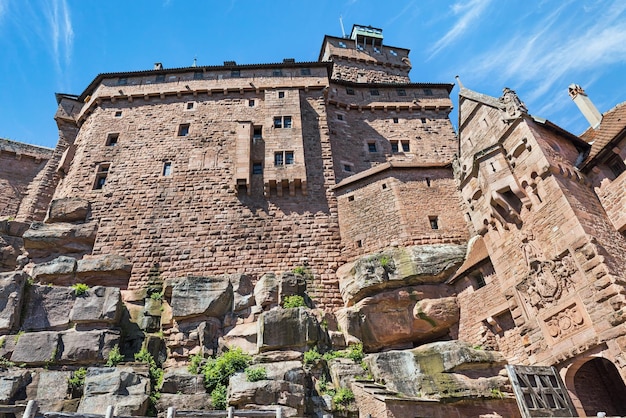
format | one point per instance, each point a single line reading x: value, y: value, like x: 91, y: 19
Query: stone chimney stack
x: 585, y: 105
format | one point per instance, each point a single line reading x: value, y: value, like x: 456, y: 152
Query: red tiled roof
x: 613, y: 122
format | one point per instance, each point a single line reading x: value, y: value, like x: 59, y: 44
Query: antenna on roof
x: 343, y: 31
x: 195, y: 62
x: 458, y: 79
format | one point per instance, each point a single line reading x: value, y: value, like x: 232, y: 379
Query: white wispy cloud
x: 467, y: 14
x: 61, y: 33
x: 402, y: 13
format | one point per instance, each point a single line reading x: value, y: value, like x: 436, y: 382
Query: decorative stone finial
x: 514, y: 107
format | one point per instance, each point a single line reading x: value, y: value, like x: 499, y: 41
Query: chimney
x: 158, y: 66
x: 585, y: 105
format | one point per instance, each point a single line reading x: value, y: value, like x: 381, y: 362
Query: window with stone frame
x: 257, y: 167
x: 371, y: 147
x: 616, y: 165
x: 112, y: 139
x: 102, y: 171
x: 283, y: 158
x: 167, y: 168
x: 282, y: 122
x: 257, y: 132
x: 183, y: 129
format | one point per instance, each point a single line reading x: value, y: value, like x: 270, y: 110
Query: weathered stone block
x: 11, y: 381
x: 243, y: 336
x: 287, y: 328
x: 59, y: 271
x: 201, y: 296
x: 45, y: 241
x: 36, y: 348
x: 180, y: 380
x: 126, y: 388
x: 86, y: 347
x: 11, y: 299
x: 47, y: 307
x: 99, y: 304
x: 10, y: 250
x: 265, y: 392
x: 51, y: 391
x: 266, y: 291
x: 105, y: 270
x: 68, y: 209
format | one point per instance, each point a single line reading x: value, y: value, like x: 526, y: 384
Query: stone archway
x: 599, y: 387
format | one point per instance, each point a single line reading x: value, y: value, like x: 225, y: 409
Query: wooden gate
x: 540, y: 392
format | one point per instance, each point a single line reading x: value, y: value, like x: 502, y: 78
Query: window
x: 401, y: 92
x: 257, y: 132
x: 423, y: 120
x: 339, y: 117
x: 167, y: 168
x: 434, y: 222
x: 251, y: 103
x: 394, y: 147
x: 101, y: 176
x: 480, y: 280
x: 160, y: 78
x: 282, y: 122
x: 395, y: 120
x: 283, y: 158
x: 197, y: 75
x: 427, y: 181
x: 384, y: 186
x: 112, y: 139
x: 351, y: 198
x: 350, y: 91
x: 281, y: 94
x: 122, y: 81
x: 190, y: 105
x: 277, y: 73
x: 342, y: 44
x: 183, y: 129
x: 374, y: 92
x: 428, y: 92
x: 405, y: 146
x: 118, y: 114
x: 348, y: 168
x: 305, y: 71
x: 616, y: 165
x: 257, y: 168
x: 371, y: 146
x: 392, y: 52
x: 235, y: 73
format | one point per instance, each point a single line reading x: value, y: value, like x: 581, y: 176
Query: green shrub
x: 293, y: 301
x: 156, y: 373
x: 312, y: 356
x: 300, y: 270
x: 254, y: 374
x: 218, y: 397
x: 157, y: 295
x: 2, y: 341
x: 5, y: 363
x: 195, y: 363
x: 217, y: 371
x: 330, y: 355
x: 80, y: 289
x: 342, y: 398
x: 115, y: 357
x: 355, y: 352
x: 78, y: 378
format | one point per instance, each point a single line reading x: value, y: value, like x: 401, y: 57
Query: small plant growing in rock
x: 312, y: 356
x: 342, y: 398
x: 157, y: 295
x: 156, y: 377
x: 301, y: 270
x: 293, y: 301
x: 4, y: 363
x: 2, y: 341
x: 217, y: 371
x: 77, y: 380
x: 355, y: 352
x: 17, y: 336
x: 497, y: 393
x: 115, y: 357
x: 80, y: 289
x: 330, y: 355
x: 195, y: 363
x: 219, y: 397
x: 254, y: 374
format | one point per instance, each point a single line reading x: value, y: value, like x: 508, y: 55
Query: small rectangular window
x: 396, y: 120
x: 340, y: 117
x: 122, y: 81
x: 278, y: 122
x: 112, y: 139
x: 183, y: 129
x: 428, y: 92
x: 347, y: 168
x: 423, y: 120
x: 394, y: 146
x: 278, y: 158
x: 351, y: 198
x: 405, y: 146
x: 289, y: 157
x: 480, y: 280
x: 350, y: 91
x: 167, y: 168
x: 342, y: 44
x: 371, y: 146
x: 251, y: 103
x: 287, y: 122
x: 281, y: 94
x: 401, y: 92
x: 616, y: 165
x: 198, y: 75
x: 257, y: 132
x: 235, y: 73
x: 101, y: 176
x: 277, y: 73
x: 374, y: 92
x: 434, y: 222
x: 305, y: 71
x: 190, y: 105
x: 257, y: 168
x: 118, y: 114
x: 160, y: 78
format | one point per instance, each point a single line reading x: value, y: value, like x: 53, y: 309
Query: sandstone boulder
x: 13, y: 228
x: 183, y: 401
x: 50, y: 389
x: 68, y: 209
x: 295, y: 328
x: 343, y: 371
x: 11, y: 382
x: 106, y: 270
x: 36, y: 348
x: 193, y: 337
x: 86, y: 347
x: 243, y: 336
x: 290, y: 370
x: 400, y: 318
x: 242, y: 393
x: 46, y: 241
x: 99, y: 305
x: 243, y: 291
x: 59, y: 271
x: 10, y: 249
x: 441, y: 370
x: 398, y: 267
x: 11, y: 299
x: 291, y: 284
x: 47, y: 307
x: 266, y: 291
x: 201, y: 296
x: 180, y: 380
x: 126, y: 388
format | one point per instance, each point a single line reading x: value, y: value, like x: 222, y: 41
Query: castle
x: 347, y: 170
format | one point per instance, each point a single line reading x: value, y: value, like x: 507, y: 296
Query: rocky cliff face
x: 74, y: 338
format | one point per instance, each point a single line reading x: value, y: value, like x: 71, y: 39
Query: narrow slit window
x: 396, y: 120
x: 406, y: 147
x: 434, y: 222
x: 101, y: 176
x: 281, y: 94
x: 251, y: 103
x: 167, y: 168
x: 190, y: 105
x: 394, y: 147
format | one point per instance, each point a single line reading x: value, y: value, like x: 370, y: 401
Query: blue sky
x: 535, y: 47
